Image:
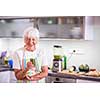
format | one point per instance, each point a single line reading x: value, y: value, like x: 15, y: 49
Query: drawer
x: 50, y: 79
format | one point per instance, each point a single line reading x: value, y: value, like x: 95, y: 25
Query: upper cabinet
x: 13, y: 27
x: 65, y: 27
x: 61, y: 27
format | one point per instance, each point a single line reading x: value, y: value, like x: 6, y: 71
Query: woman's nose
x: 31, y: 40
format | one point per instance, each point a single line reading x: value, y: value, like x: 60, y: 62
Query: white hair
x: 31, y: 31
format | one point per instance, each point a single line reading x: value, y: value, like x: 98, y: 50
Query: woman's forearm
x: 21, y: 74
x: 39, y: 76
x: 42, y: 74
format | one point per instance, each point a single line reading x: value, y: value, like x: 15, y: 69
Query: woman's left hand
x: 29, y: 78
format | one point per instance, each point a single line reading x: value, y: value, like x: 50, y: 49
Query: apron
x: 24, y: 65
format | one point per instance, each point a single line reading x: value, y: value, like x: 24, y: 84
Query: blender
x: 57, y: 60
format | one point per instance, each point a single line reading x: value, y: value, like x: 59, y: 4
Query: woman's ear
x: 36, y: 40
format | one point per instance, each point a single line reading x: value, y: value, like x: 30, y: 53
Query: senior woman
x: 30, y: 62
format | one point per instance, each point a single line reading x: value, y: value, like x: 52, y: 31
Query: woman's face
x: 30, y: 41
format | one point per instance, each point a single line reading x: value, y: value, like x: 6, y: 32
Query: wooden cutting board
x: 67, y: 72
x: 90, y: 73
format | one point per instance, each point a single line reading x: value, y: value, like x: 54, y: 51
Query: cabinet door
x: 89, y: 27
x: 5, y: 77
x: 65, y: 27
x: 62, y: 27
x: 13, y: 27
x: 48, y: 31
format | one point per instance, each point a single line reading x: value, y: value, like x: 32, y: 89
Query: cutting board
x: 67, y: 72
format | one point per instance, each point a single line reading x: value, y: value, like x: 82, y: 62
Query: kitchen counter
x: 76, y: 77
x: 5, y: 68
x: 5, y: 74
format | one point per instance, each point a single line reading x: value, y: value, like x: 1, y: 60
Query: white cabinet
x: 89, y: 28
x: 5, y: 77
x: 85, y: 81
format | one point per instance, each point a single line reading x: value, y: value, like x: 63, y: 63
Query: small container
x: 64, y: 62
x: 5, y: 61
x: 10, y: 63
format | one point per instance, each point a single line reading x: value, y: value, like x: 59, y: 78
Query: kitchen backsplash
x: 89, y: 56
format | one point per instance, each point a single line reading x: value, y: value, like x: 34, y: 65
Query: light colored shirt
x: 21, y: 57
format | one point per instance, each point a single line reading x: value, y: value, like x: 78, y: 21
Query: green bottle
x: 64, y: 62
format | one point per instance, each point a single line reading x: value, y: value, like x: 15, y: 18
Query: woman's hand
x: 31, y: 70
x: 30, y: 78
x: 39, y: 75
x: 30, y: 65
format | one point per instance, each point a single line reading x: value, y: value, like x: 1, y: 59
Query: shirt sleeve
x: 16, y: 61
x: 44, y: 59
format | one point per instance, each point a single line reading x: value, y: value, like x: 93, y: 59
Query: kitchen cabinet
x: 13, y: 27
x: 5, y: 77
x: 5, y: 74
x: 66, y: 27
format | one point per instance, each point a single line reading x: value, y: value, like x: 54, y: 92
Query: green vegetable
x: 84, y: 68
x: 81, y: 67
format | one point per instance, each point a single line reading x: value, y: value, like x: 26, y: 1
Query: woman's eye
x: 33, y: 39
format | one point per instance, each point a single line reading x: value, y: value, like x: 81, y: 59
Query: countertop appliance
x: 57, y: 61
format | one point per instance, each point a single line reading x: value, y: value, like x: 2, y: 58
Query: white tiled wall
x: 91, y: 49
